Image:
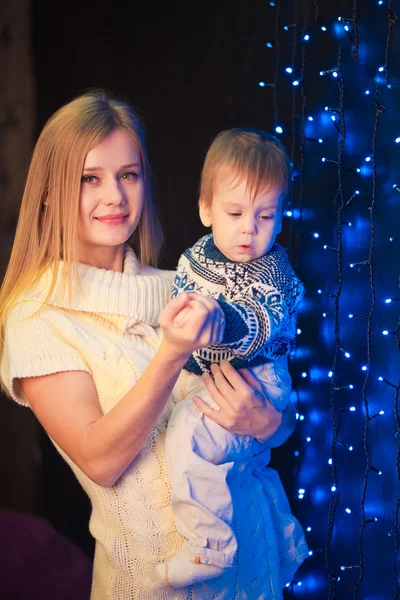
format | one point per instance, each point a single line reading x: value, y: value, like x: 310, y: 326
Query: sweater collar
x: 138, y: 293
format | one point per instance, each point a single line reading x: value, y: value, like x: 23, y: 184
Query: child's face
x: 243, y: 229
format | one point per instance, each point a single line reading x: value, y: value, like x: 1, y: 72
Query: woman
x: 82, y: 347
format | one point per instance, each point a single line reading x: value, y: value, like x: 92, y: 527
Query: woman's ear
x: 205, y: 216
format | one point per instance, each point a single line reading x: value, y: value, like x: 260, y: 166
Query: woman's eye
x: 130, y: 175
x: 88, y: 178
x: 266, y: 217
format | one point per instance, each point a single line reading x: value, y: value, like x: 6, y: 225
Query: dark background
x: 191, y: 70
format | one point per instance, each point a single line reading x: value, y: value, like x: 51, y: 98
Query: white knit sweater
x: 110, y: 330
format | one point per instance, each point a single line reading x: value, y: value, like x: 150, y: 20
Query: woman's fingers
x: 172, y: 309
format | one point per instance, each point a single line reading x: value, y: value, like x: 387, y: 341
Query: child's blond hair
x: 255, y: 156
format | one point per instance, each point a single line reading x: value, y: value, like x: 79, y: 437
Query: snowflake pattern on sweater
x: 259, y: 299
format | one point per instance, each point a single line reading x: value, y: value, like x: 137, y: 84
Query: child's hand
x: 191, y: 321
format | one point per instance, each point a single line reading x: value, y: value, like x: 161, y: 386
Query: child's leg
x: 199, y: 457
x: 276, y: 381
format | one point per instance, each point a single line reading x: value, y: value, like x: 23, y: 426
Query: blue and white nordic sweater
x: 259, y: 299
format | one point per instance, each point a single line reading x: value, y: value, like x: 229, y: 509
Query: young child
x: 244, y: 185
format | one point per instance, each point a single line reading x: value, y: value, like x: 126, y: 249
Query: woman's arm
x: 104, y: 445
x: 243, y: 406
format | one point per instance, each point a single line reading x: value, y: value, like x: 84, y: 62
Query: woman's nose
x: 115, y: 193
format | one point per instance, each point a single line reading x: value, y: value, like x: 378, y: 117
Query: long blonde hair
x: 48, y: 218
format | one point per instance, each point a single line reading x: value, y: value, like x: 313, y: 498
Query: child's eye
x: 234, y: 214
x: 88, y: 178
x: 266, y: 217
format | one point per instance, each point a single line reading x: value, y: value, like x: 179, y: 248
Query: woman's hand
x: 243, y: 406
x: 191, y: 321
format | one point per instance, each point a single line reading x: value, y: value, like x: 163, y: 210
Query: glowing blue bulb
x: 352, y: 408
x: 364, y: 368
x: 279, y: 129
x: 333, y: 117
x: 335, y: 74
x: 380, y: 378
x: 299, y: 583
x: 297, y: 415
x: 380, y: 2
x: 311, y: 118
x: 302, y: 491
x: 261, y: 83
x: 351, y: 265
x: 323, y: 28
x: 324, y: 315
x: 385, y: 332
x: 310, y: 553
x: 343, y: 568
x: 304, y: 375
x: 296, y: 83
x: 368, y: 159
x: 358, y: 170
x: 301, y: 418
x: 333, y: 488
x: 325, y: 247
x: 381, y: 69
x: 367, y: 92
x: 347, y: 27
x: 381, y: 412
x: 397, y: 140
x: 322, y: 73
x: 272, y: 4
x: 306, y: 38
x: 330, y: 374
x: 289, y: 213
x: 348, y: 510
x: 300, y: 496
x: 286, y: 28
x: 309, y: 529
x: 388, y: 300
x: 308, y: 439
x: 289, y: 70
x: 351, y: 387
x: 357, y: 192
x: 319, y: 291
x: 316, y: 235
x: 350, y: 448
x: 296, y: 453
x: 323, y: 159
x: 351, y: 316
x: 269, y: 45
x: 298, y: 331
x: 320, y: 141
x: 330, y: 461
x: 347, y: 354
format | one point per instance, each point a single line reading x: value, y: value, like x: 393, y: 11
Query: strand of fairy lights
x: 338, y: 120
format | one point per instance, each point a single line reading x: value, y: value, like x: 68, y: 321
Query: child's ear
x: 204, y: 211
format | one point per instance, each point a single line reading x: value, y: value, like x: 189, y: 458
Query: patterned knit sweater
x: 259, y: 299
x: 110, y: 331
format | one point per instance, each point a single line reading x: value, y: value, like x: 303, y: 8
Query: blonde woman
x: 92, y: 345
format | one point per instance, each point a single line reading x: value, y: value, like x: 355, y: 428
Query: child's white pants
x: 200, y: 455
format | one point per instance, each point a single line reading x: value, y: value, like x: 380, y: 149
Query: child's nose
x: 250, y: 227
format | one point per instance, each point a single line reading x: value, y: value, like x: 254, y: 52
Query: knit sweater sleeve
x: 254, y: 320
x: 262, y: 314
x: 37, y: 344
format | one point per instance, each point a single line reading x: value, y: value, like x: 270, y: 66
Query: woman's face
x: 111, y: 200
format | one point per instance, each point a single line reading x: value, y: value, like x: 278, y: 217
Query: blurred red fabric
x: 39, y: 563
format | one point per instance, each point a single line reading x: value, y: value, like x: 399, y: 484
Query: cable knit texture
x: 109, y: 329
x: 259, y: 299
